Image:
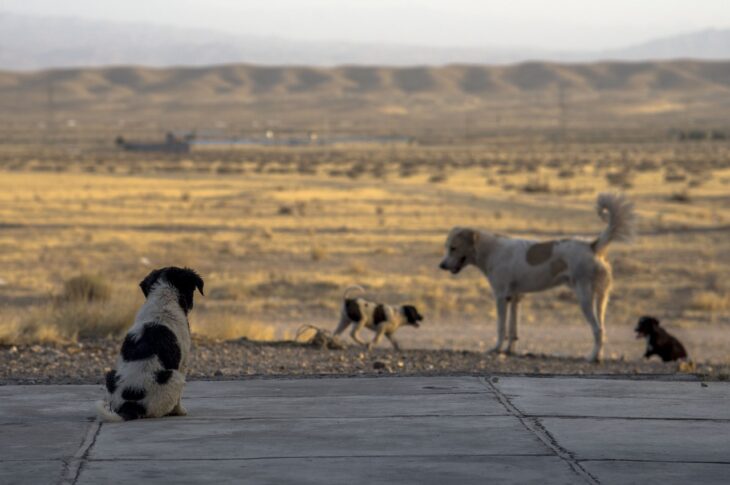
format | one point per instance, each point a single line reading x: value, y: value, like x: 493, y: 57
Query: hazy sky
x: 547, y: 24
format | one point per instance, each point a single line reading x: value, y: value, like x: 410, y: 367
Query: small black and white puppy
x: 383, y: 319
x: 659, y: 341
x: 150, y: 373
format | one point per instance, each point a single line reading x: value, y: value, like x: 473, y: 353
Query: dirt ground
x: 87, y: 361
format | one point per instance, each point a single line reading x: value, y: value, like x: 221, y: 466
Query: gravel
x: 87, y: 361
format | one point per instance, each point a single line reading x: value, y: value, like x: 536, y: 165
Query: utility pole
x: 50, y: 108
x: 562, y: 112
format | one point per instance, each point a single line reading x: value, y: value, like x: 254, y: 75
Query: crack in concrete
x: 534, y: 426
x: 72, y: 467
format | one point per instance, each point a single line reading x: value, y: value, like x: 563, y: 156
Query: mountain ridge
x: 31, y: 42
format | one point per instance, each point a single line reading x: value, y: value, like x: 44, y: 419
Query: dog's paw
x: 495, y: 350
x: 178, y: 410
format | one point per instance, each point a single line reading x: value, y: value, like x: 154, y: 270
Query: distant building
x: 172, y: 144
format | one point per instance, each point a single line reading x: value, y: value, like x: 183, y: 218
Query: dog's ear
x: 185, y: 280
x: 465, y: 234
x: 149, y: 280
x: 473, y: 236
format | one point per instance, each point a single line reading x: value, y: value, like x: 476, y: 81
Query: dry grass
x: 229, y: 327
x: 710, y: 301
x: 85, y: 288
x: 69, y: 321
x: 268, y: 270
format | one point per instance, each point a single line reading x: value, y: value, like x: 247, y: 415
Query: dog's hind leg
x: 344, y: 322
x: 602, y: 285
x: 601, y: 302
x: 513, y: 319
x: 501, y: 323
x: 584, y: 293
x: 378, y: 336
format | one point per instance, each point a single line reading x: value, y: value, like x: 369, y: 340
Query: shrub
x: 317, y: 253
x: 622, y: 179
x: 438, y: 178
x: 681, y: 197
x: 85, y: 288
x: 536, y: 186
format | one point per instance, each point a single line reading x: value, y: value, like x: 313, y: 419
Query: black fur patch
x: 131, y: 394
x: 149, y: 280
x: 112, y: 379
x: 379, y: 315
x: 352, y: 309
x: 162, y: 376
x: 131, y: 410
x: 155, y: 340
x: 186, y: 281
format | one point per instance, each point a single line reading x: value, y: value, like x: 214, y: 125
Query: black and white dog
x: 150, y: 373
x: 382, y: 319
x: 659, y: 341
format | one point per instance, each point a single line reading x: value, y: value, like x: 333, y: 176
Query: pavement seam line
x: 318, y: 457
x: 534, y: 426
x: 72, y: 468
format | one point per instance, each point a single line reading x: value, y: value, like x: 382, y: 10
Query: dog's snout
x: 443, y: 265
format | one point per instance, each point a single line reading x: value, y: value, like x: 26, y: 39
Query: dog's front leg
x: 393, y: 341
x: 356, y: 330
x: 649, y: 351
x: 501, y: 323
x: 513, y: 319
x: 378, y: 337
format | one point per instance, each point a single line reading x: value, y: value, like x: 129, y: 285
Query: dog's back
x: 360, y: 310
x: 147, y: 380
x: 668, y: 347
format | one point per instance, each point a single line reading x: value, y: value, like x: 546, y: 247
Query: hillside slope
x: 363, y: 99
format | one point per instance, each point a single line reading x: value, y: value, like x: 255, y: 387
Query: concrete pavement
x: 379, y: 430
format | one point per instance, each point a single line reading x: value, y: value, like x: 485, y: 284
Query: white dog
x: 517, y: 266
x: 150, y: 372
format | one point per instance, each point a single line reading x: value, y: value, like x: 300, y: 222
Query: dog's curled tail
x: 352, y: 288
x: 106, y: 414
x: 618, y: 212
